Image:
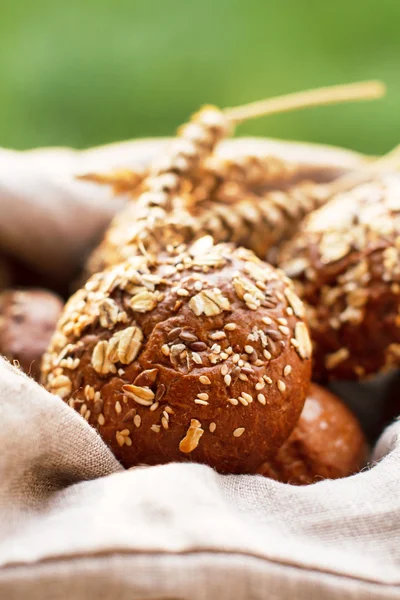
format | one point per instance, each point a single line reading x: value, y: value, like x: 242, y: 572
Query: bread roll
x: 327, y: 443
x: 200, y: 354
x: 345, y: 262
x: 27, y: 321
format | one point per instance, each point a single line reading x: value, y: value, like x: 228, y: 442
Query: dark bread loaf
x: 28, y: 319
x: 200, y: 354
x: 345, y: 262
x: 327, y: 443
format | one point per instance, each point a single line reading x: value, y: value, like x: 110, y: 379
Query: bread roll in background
x: 27, y: 321
x: 345, y: 262
x: 327, y: 443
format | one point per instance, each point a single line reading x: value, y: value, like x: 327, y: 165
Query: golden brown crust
x: 345, y: 264
x: 27, y: 321
x: 327, y: 443
x: 201, y: 355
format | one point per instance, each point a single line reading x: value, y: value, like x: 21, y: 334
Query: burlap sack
x: 74, y: 524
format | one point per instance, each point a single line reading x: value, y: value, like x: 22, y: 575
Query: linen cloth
x: 75, y: 524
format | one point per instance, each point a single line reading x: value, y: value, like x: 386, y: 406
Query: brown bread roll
x: 327, y: 443
x: 27, y: 321
x: 198, y: 355
x: 345, y: 265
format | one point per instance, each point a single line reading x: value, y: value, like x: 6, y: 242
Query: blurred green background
x: 85, y: 72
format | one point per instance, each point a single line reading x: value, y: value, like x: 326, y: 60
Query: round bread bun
x: 201, y: 355
x: 345, y: 262
x: 28, y: 319
x: 327, y: 443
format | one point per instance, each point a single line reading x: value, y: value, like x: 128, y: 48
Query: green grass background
x: 85, y: 72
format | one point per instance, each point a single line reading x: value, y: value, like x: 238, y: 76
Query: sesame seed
x: 83, y: 409
x: 182, y: 292
x: 224, y: 370
x: 247, y: 397
x: 241, y: 363
x: 260, y: 385
x: 285, y: 330
x: 118, y: 408
x: 204, y: 379
x: 212, y: 427
x: 121, y: 372
x: 239, y: 431
x: 267, y: 379
x: 261, y: 399
x: 128, y: 441
x: 101, y: 419
x: 224, y: 355
x: 198, y: 286
x: 87, y: 415
x: 165, y: 349
x: 233, y: 401
x: 235, y: 358
x: 166, y: 415
x: 266, y: 320
x: 243, y: 377
x: 287, y: 370
x: 125, y: 432
x: 243, y: 401
x: 294, y: 342
x: 289, y: 311
x: 217, y: 335
x: 230, y: 326
x: 282, y: 321
x: 164, y: 423
x: 249, y: 349
x: 203, y: 396
x: 120, y: 439
x: 267, y: 354
x: 137, y: 420
x: 199, y: 401
x: 281, y: 385
x: 258, y: 363
x: 155, y: 428
x: 227, y: 380
x: 169, y: 410
x: 154, y: 406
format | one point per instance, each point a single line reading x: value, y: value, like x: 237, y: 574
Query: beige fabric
x: 74, y: 524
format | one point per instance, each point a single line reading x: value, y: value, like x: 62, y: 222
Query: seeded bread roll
x: 327, y: 443
x: 27, y: 322
x: 345, y: 265
x: 201, y: 355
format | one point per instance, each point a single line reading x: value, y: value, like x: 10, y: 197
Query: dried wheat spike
x: 121, y: 181
x: 249, y: 216
x: 170, y: 184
